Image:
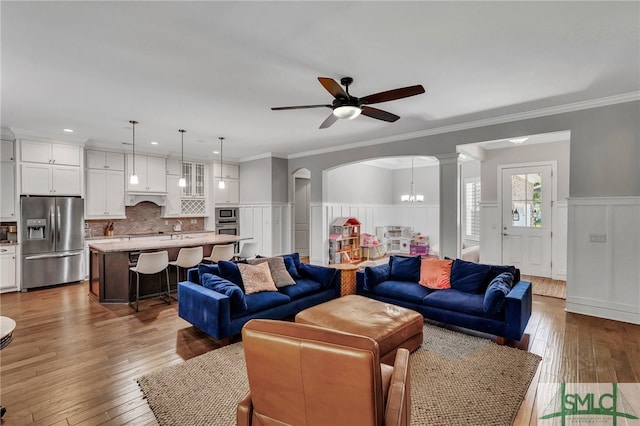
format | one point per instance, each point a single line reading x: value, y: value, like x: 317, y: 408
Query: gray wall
x: 426, y: 180
x: 359, y: 184
x: 525, y: 154
x: 605, y: 149
x: 255, y: 181
x: 279, y: 180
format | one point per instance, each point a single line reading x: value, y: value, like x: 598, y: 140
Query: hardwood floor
x: 74, y: 361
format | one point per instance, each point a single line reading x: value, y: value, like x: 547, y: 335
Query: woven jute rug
x: 456, y: 379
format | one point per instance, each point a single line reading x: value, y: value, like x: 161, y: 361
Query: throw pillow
x: 374, y: 275
x: 435, y: 273
x: 229, y: 271
x: 205, y: 268
x: 498, y: 269
x: 278, y: 270
x: 405, y: 268
x: 320, y: 274
x: 497, y: 292
x: 233, y: 292
x: 469, y: 276
x: 290, y: 264
x: 256, y: 278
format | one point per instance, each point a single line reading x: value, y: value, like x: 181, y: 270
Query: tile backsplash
x: 144, y: 218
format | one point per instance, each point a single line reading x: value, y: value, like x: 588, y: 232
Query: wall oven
x: 227, y: 229
x: 226, y: 214
x: 227, y: 221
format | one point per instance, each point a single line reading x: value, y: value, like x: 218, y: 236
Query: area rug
x: 456, y: 379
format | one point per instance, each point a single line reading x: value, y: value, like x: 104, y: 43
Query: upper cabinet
x: 105, y: 160
x: 151, y: 171
x: 227, y: 171
x: 50, y: 153
x: 7, y: 151
x: 173, y: 167
x: 50, y: 168
x: 7, y: 181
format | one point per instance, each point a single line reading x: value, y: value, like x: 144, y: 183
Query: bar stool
x: 148, y: 264
x: 221, y: 252
x: 249, y: 250
x: 188, y: 257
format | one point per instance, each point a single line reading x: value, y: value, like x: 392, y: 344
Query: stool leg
x: 137, y: 289
x: 166, y: 270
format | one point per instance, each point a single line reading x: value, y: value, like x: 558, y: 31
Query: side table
x: 347, y: 273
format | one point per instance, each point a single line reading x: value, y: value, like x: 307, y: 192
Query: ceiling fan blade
x: 329, y: 121
x: 379, y: 114
x: 333, y: 87
x: 299, y: 107
x: 391, y: 95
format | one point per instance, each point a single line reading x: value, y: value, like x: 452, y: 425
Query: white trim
x: 603, y: 309
x: 542, y: 112
x: 604, y: 201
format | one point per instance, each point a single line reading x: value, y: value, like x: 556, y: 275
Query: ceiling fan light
x: 347, y: 112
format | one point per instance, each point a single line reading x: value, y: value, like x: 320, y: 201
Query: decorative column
x: 449, y: 205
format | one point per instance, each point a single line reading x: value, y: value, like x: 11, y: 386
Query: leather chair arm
x: 244, y: 411
x: 398, y: 410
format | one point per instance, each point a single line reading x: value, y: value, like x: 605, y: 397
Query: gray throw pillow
x: 279, y: 273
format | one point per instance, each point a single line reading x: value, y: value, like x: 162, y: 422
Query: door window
x: 526, y: 203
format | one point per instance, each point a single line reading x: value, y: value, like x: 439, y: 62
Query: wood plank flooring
x: 74, y: 362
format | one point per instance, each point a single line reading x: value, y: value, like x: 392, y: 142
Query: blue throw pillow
x: 229, y: 271
x: 499, y: 269
x: 497, y: 292
x: 469, y: 276
x: 205, y: 268
x: 374, y: 275
x: 405, y: 268
x: 291, y: 262
x: 320, y: 274
x: 233, y: 292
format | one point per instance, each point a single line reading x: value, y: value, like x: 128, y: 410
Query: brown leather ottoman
x: 391, y: 326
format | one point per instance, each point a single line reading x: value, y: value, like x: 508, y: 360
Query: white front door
x: 526, y: 218
x: 301, y: 214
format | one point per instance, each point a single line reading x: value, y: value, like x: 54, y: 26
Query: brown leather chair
x: 301, y: 374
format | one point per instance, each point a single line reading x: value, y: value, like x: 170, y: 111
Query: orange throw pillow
x: 435, y: 273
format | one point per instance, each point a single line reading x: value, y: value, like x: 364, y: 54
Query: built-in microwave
x: 226, y: 213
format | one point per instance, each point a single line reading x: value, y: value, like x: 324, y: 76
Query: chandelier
x: 412, y: 197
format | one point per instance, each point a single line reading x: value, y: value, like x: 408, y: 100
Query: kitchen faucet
x: 178, y: 227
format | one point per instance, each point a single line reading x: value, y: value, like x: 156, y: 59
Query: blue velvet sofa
x: 478, y: 298
x: 222, y: 315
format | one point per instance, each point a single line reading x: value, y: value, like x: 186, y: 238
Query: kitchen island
x: 109, y: 263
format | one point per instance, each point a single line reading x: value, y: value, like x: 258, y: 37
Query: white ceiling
x: 216, y: 68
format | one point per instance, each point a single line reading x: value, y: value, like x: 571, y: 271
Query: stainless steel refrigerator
x: 51, y: 240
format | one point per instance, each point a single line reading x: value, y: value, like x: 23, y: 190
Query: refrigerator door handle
x: 51, y: 224
x: 48, y: 256
x: 59, y: 223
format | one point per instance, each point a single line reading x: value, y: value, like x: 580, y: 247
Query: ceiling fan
x: 348, y: 107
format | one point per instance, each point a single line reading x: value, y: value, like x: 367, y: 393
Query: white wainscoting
x: 559, y: 240
x: 603, y: 273
x: 490, y: 234
x: 269, y: 225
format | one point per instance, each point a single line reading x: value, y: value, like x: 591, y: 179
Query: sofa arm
x: 206, y: 309
x: 517, y: 310
x: 398, y: 410
x: 244, y: 411
x: 359, y: 282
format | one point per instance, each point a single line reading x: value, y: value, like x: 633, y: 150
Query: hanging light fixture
x: 182, y: 182
x: 412, y: 197
x: 133, y: 179
x: 516, y: 215
x: 221, y: 184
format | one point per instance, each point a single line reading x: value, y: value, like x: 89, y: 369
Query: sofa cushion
x: 321, y: 274
x: 279, y: 272
x: 229, y: 289
x: 469, y: 276
x: 374, y: 275
x: 499, y: 269
x: 435, y: 273
x: 258, y: 302
x: 405, y: 268
x: 256, y: 278
x: 229, y: 271
x: 205, y: 268
x: 303, y: 287
x: 292, y: 262
x: 454, y: 300
x: 497, y: 291
x: 402, y: 290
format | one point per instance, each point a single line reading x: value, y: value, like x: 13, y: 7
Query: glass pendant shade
x: 182, y: 182
x: 347, y: 112
x: 221, y: 184
x: 133, y: 179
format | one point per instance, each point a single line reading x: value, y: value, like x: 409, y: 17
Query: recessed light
x: 154, y: 143
x: 68, y: 130
x: 216, y: 152
x: 518, y: 141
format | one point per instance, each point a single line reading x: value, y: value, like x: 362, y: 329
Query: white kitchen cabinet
x: 8, y: 188
x: 105, y: 160
x: 8, y: 268
x: 44, y: 179
x: 105, y: 194
x: 228, y: 171
x: 7, y: 152
x: 194, y: 174
x: 173, y: 207
x: 173, y: 167
x: 151, y: 171
x: 49, y: 153
x: 230, y: 194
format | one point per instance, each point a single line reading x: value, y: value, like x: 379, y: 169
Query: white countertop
x: 167, y: 242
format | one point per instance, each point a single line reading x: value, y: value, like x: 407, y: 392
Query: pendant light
x: 221, y: 184
x: 133, y: 179
x: 412, y: 197
x: 182, y: 182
